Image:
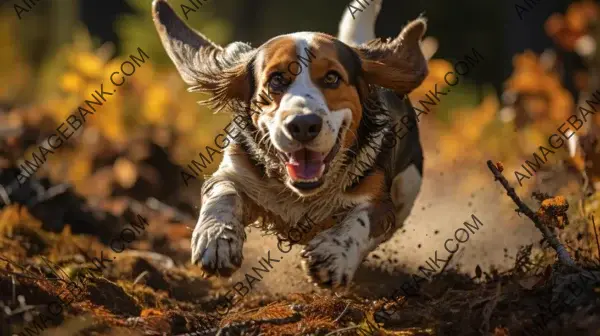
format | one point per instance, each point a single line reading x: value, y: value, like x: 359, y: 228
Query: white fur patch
x: 333, y: 256
x: 405, y: 188
x: 358, y: 26
x: 304, y: 97
x: 219, y: 234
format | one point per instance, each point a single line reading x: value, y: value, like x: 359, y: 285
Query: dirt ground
x: 150, y: 288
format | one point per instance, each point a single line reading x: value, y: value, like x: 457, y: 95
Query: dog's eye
x: 332, y: 79
x: 278, y: 82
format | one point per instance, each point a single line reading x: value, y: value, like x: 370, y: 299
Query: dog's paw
x: 217, y: 248
x: 330, y: 260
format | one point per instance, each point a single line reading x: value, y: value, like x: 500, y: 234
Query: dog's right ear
x: 201, y: 63
x: 397, y: 64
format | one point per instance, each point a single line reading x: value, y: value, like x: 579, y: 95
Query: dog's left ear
x: 398, y: 64
x: 202, y: 64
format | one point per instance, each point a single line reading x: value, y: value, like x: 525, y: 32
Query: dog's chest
x: 279, y: 212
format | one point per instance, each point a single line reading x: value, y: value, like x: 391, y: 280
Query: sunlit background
x: 60, y: 51
x: 537, y: 67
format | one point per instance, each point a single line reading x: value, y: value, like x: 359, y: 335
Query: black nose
x: 304, y: 127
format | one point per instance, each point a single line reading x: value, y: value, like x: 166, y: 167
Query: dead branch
x: 596, y: 234
x: 21, y: 275
x: 563, y: 255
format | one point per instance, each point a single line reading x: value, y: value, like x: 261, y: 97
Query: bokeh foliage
x: 50, y: 64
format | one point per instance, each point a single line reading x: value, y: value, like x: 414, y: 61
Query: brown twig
x: 25, y: 270
x: 342, y: 314
x: 21, y: 275
x: 563, y: 255
x: 596, y: 234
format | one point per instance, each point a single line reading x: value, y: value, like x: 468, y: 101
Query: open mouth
x: 306, y: 168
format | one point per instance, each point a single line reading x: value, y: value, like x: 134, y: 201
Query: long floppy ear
x: 397, y: 64
x: 202, y: 64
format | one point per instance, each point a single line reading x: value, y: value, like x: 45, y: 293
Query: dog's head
x: 304, y: 95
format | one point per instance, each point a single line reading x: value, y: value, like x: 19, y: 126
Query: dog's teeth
x: 310, y: 180
x: 315, y: 179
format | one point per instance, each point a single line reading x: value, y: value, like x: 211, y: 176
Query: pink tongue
x: 305, y: 165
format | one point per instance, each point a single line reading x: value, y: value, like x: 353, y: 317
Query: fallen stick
x: 562, y: 253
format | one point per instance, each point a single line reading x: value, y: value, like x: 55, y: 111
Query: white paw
x: 217, y: 247
x: 330, y: 260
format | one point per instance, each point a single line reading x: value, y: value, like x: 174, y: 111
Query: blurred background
x: 537, y: 68
x: 60, y: 50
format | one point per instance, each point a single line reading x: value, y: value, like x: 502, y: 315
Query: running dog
x: 330, y: 139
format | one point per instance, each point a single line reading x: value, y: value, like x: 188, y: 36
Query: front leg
x: 333, y: 256
x: 219, y: 235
